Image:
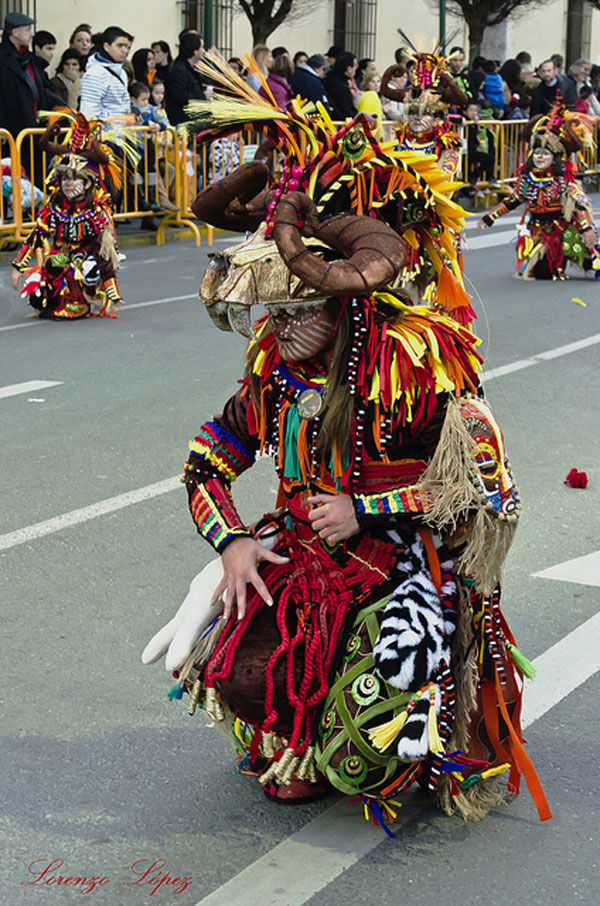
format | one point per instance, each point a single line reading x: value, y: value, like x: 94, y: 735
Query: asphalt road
x: 100, y: 769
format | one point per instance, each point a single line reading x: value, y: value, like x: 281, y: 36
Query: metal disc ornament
x: 309, y: 403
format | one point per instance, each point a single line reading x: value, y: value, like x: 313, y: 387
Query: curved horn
x: 236, y: 201
x: 46, y: 142
x: 450, y: 92
x: 218, y: 315
x: 95, y: 154
x: 393, y: 94
x: 527, y: 130
x: 375, y: 251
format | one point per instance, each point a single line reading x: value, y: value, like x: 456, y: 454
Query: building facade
x: 367, y: 27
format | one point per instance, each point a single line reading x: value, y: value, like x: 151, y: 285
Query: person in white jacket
x: 104, y: 92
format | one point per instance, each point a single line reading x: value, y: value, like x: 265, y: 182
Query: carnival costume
x: 426, y: 105
x: 70, y: 259
x: 557, y: 213
x: 385, y: 657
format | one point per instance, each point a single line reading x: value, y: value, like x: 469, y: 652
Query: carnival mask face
x: 493, y: 467
x: 72, y: 188
x: 419, y: 120
x: 543, y: 158
x: 302, y: 335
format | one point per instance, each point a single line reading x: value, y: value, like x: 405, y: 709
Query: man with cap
x: 22, y: 90
x: 20, y: 93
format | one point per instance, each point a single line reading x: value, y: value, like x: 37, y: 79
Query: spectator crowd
x: 98, y: 75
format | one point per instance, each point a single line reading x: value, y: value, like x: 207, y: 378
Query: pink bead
x: 297, y: 172
x: 271, y: 206
x: 293, y: 184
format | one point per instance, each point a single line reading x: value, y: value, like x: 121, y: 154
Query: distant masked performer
x: 69, y: 262
x: 557, y: 225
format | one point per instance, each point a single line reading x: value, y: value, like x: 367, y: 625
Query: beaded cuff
x: 222, y: 451
x: 215, y: 515
x: 408, y: 501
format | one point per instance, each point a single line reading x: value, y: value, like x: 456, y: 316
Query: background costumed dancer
x: 557, y: 226
x: 361, y: 644
x: 428, y: 130
x: 70, y: 260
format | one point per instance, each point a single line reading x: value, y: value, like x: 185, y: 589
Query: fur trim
x: 108, y: 248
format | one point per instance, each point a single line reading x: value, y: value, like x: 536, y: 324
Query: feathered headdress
x: 338, y: 170
x: 562, y: 131
x: 83, y: 150
x: 431, y: 82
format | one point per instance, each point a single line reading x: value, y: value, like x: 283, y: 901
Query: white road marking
x: 302, y: 865
x: 540, y: 357
x: 562, y: 669
x: 507, y: 369
x: 67, y: 520
x: 127, y: 307
x: 26, y: 387
x: 484, y: 241
x: 582, y: 570
x: 39, y: 529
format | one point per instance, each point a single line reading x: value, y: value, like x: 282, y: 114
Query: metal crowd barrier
x: 177, y: 167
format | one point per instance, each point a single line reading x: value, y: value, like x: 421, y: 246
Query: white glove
x: 178, y: 638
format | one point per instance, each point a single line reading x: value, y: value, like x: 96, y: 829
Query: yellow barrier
x: 9, y: 225
x: 157, y: 176
x: 172, y: 169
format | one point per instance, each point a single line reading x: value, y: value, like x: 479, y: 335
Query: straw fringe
x: 450, y: 483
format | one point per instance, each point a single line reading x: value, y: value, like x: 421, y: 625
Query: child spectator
x: 157, y: 98
x: 480, y: 146
x: 66, y: 84
x: 148, y: 115
x: 145, y: 113
x: 493, y: 88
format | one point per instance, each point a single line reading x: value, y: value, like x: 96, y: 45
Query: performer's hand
x: 482, y: 225
x: 589, y: 237
x: 16, y: 278
x: 334, y: 518
x: 240, y: 559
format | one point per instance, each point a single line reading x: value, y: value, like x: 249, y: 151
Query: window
x: 579, y: 27
x: 213, y: 19
x: 355, y: 25
x: 18, y: 6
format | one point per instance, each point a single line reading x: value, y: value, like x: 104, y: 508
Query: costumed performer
x: 427, y: 102
x: 353, y: 637
x: 67, y: 267
x: 557, y: 225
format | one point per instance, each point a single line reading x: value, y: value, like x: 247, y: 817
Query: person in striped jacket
x: 104, y: 91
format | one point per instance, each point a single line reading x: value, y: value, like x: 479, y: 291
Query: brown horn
x: 95, y: 154
x: 236, y: 201
x: 527, y: 130
x: 393, y: 94
x: 46, y: 142
x: 375, y: 251
x: 450, y: 92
